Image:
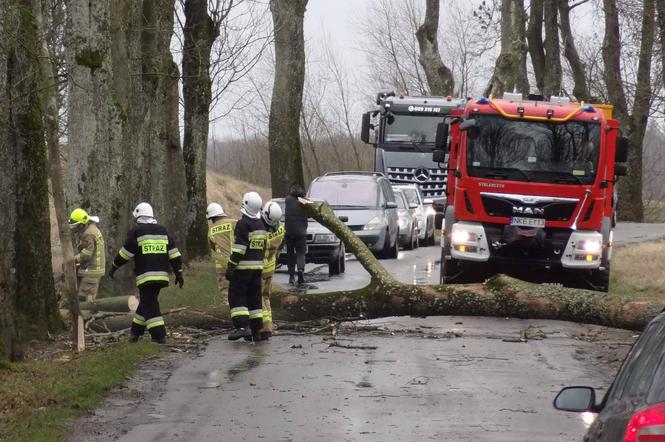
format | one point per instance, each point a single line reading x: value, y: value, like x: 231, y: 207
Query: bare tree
x: 286, y: 105
x: 535, y: 40
x: 577, y: 67
x: 553, y: 73
x: 507, y: 64
x: 439, y: 76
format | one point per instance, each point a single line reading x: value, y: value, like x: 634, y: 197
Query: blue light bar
x: 589, y: 108
x: 482, y: 100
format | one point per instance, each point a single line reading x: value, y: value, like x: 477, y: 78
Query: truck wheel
x: 599, y: 280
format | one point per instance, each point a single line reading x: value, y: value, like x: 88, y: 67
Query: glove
x: 179, y: 280
x: 230, y: 271
x: 112, y: 271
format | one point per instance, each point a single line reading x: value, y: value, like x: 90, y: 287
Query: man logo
x: 421, y: 174
x: 522, y: 210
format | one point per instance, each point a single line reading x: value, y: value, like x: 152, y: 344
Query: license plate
x: 527, y: 222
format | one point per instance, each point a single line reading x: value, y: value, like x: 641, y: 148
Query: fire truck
x: 531, y: 190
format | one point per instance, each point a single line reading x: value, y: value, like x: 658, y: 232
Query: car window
x: 657, y: 387
x: 399, y: 197
x: 411, y: 196
x: 346, y: 192
x: 388, y: 189
x: 635, y: 375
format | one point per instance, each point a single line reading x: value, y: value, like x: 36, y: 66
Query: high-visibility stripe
x: 267, y: 316
x: 239, y: 311
x: 174, y: 253
x: 151, y: 276
x: 142, y: 238
x: 256, y: 314
x: 238, y: 248
x: 86, y: 252
x: 125, y: 254
x: 138, y: 319
x: 250, y: 267
x: 154, y: 322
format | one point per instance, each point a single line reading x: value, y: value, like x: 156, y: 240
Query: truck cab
x: 530, y: 190
x: 404, y: 137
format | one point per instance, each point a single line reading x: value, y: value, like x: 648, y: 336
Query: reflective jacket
x: 275, y: 238
x: 220, y: 236
x: 249, y: 244
x: 90, y: 256
x: 152, y: 249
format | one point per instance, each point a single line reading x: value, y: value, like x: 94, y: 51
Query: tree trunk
x: 535, y: 39
x: 286, y: 166
x: 552, y: 77
x: 505, y: 68
x: 49, y: 94
x: 577, y: 67
x: 439, y: 76
x: 520, y: 49
x: 28, y: 306
x: 199, y: 35
x: 124, y: 141
x: 660, y: 9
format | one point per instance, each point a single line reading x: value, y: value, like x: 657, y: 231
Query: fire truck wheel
x: 599, y: 280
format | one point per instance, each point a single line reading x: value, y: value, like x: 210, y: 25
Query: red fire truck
x: 530, y: 190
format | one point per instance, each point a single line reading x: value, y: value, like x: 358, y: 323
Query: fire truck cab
x: 530, y: 190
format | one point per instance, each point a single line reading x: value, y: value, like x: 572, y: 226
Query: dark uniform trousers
x: 296, y: 249
x: 148, y: 314
x: 245, y: 299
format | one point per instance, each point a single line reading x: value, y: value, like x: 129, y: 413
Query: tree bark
x: 553, y: 74
x: 286, y: 167
x: 520, y: 49
x: 660, y: 17
x: 28, y: 308
x: 49, y: 98
x: 577, y: 67
x: 505, y: 68
x: 200, y: 33
x: 439, y: 76
x: 535, y: 39
x: 124, y: 141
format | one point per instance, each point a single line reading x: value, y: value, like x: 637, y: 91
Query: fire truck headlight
x: 590, y: 245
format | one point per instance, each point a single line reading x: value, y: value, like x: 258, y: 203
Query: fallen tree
x: 500, y: 296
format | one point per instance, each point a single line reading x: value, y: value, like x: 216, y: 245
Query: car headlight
x: 375, y: 223
x: 325, y: 238
x: 403, y: 223
x: 589, y: 245
x: 460, y: 236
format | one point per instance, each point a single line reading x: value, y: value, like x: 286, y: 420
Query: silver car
x: 408, y: 221
x: 366, y: 200
x: 424, y: 212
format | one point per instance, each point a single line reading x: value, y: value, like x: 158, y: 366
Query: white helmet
x: 272, y: 213
x: 143, y: 209
x: 214, y: 210
x: 251, y: 205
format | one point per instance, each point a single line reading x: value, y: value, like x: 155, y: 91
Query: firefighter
x: 152, y: 249
x: 245, y: 268
x: 271, y: 215
x: 90, y: 259
x: 220, y: 236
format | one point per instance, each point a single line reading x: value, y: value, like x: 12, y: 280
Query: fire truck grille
x: 550, y: 210
x: 431, y: 181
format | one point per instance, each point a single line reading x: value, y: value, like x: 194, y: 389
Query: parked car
x: 633, y: 409
x: 424, y: 212
x: 408, y: 221
x: 368, y: 201
x: 323, y: 247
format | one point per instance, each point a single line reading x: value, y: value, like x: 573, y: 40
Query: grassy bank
x: 39, y: 397
x: 638, y: 271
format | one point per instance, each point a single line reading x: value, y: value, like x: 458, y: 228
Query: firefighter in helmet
x: 271, y: 214
x: 90, y: 259
x: 220, y: 237
x: 153, y: 250
x: 245, y: 268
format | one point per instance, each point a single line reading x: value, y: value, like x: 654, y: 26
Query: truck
x: 531, y: 190
x: 404, y: 135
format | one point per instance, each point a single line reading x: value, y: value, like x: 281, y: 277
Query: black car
x: 633, y: 409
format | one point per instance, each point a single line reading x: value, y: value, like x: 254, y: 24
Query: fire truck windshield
x: 411, y: 128
x: 522, y: 150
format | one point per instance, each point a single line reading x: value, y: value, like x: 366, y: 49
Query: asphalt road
x: 438, y: 378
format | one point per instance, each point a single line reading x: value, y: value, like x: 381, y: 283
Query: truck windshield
x: 346, y: 193
x: 408, y: 128
x: 534, y: 151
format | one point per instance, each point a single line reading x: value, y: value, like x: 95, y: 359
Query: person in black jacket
x: 296, y: 234
x: 244, y: 270
x: 152, y: 249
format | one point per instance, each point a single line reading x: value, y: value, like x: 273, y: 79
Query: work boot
x: 265, y: 336
x: 159, y: 340
x: 301, y: 278
x: 133, y: 338
x: 239, y: 333
x: 292, y: 279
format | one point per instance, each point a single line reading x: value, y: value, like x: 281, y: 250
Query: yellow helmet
x: 78, y: 217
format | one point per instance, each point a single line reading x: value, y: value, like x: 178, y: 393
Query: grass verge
x: 39, y: 397
x: 638, y: 271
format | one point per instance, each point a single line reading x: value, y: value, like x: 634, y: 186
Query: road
x: 437, y: 378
